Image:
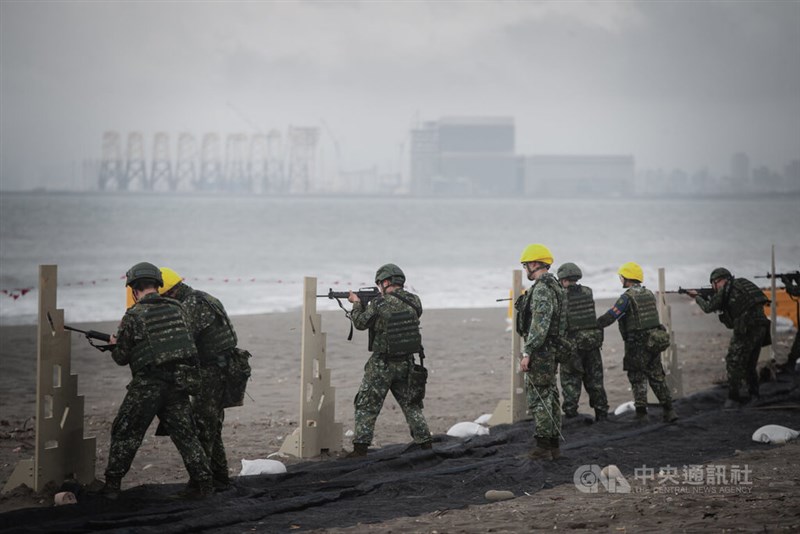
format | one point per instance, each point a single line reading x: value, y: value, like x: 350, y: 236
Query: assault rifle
x: 705, y: 292
x: 784, y: 277
x: 365, y: 294
x: 90, y: 335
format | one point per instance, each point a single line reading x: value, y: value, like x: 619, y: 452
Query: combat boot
x: 541, y: 451
x: 600, y: 416
x: 426, y: 446
x: 359, y: 450
x: 641, y: 414
x: 555, y: 450
x: 669, y: 415
x: 111, y: 488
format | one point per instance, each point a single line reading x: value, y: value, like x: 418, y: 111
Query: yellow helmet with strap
x: 631, y: 271
x: 171, y: 279
x: 536, y: 252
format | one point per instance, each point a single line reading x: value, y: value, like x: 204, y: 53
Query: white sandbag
x: 261, y: 467
x: 776, y: 434
x: 467, y: 429
x: 484, y: 419
x: 625, y: 407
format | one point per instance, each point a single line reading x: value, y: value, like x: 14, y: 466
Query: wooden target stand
x: 61, y: 451
x: 317, y: 431
x: 515, y: 407
x: 669, y: 358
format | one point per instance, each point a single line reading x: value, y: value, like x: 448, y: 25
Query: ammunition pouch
x: 658, y: 339
x: 187, y: 379
x: 238, y: 373
x: 417, y: 380
x: 587, y: 340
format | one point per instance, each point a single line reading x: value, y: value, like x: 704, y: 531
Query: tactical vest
x: 166, y: 337
x: 402, y: 327
x: 219, y: 337
x: 558, y: 323
x: 580, y: 309
x: 743, y: 296
x: 642, y: 312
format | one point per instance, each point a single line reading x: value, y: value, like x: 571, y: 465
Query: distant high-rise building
x: 464, y: 156
x: 579, y: 175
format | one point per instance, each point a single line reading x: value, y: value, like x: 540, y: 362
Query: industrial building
x: 465, y: 156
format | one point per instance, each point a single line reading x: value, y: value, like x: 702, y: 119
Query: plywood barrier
x: 61, y: 451
x: 317, y: 431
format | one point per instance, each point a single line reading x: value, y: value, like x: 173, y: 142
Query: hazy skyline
x: 676, y: 84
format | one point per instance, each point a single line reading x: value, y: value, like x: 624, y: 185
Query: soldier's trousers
x: 147, y: 398
x: 382, y: 375
x: 542, y: 395
x: 588, y: 373
x: 645, y: 368
x: 209, y: 416
x: 742, y: 359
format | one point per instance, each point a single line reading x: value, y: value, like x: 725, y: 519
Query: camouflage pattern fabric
x: 147, y: 398
x: 208, y: 402
x: 152, y: 392
x: 792, y: 284
x: 210, y: 415
x: 644, y: 367
x: 586, y: 371
x: 544, y: 344
x: 750, y: 329
x: 384, y: 373
x: 381, y: 375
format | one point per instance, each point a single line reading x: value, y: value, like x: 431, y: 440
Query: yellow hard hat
x: 171, y: 279
x: 536, y: 252
x: 630, y: 270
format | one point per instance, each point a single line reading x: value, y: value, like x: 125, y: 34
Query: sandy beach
x: 468, y: 359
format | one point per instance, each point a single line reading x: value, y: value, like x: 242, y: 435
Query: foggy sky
x: 676, y: 84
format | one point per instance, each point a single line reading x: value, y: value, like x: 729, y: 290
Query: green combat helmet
x: 569, y: 270
x: 719, y: 272
x: 142, y: 271
x: 390, y: 272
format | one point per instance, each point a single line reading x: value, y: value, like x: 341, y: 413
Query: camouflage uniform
x: 792, y: 283
x: 741, y: 304
x: 153, y: 338
x: 386, y: 372
x: 215, y: 339
x: 637, y: 313
x: 547, y: 305
x: 584, y: 364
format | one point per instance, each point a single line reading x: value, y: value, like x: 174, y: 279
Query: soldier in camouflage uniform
x: 585, y: 364
x: 637, y: 312
x: 741, y: 306
x: 544, y: 323
x: 215, y: 339
x: 393, y: 323
x: 154, y: 339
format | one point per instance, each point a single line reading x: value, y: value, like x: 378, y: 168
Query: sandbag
x: 467, y: 429
x: 261, y: 467
x: 776, y: 434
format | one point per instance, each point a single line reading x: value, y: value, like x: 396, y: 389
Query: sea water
x: 253, y: 252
